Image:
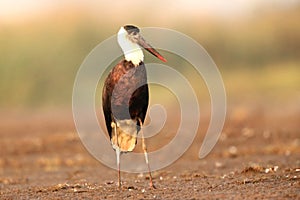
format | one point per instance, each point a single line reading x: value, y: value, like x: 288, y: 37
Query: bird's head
x: 130, y: 40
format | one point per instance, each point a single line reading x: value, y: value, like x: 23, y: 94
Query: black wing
x: 106, y: 105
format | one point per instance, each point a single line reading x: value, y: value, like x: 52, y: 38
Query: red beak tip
x: 162, y: 59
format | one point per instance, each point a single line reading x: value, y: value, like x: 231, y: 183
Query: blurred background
x: 255, y: 44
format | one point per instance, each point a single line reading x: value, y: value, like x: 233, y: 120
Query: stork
x: 125, y: 95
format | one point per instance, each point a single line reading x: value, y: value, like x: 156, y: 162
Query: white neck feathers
x: 132, y: 51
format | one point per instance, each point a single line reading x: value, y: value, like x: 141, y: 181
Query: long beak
x: 142, y: 42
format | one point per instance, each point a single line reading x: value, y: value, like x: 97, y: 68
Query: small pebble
x: 141, y: 175
x: 224, y: 176
x: 232, y: 151
x: 109, y: 182
x: 218, y: 164
x: 248, y: 132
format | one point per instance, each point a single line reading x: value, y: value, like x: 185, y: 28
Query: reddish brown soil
x: 257, y: 157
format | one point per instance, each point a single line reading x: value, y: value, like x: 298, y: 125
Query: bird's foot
x: 152, y: 186
x: 119, y: 185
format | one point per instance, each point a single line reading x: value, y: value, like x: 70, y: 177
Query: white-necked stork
x: 125, y: 95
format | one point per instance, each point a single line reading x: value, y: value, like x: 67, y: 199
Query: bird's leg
x: 146, y: 155
x: 118, y: 155
x: 118, y: 163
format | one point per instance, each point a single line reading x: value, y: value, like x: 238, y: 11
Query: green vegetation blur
x: 39, y: 56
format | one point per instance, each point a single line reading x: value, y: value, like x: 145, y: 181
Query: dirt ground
x: 256, y: 157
